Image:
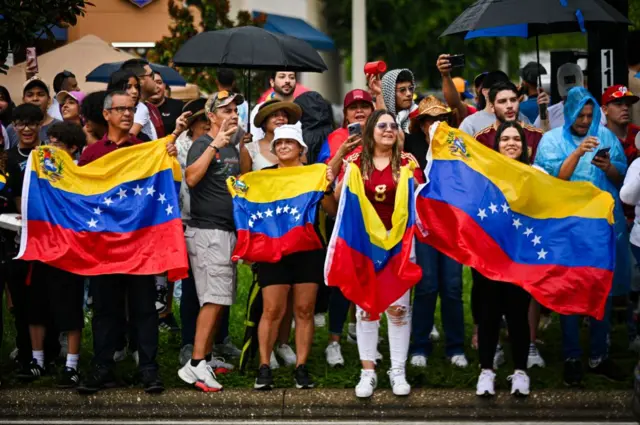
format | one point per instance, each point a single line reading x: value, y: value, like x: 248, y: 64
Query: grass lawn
x: 438, y: 374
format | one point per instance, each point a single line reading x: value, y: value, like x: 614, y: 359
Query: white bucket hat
x: 288, y: 131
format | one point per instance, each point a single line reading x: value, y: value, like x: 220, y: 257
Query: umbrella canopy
x: 249, y: 48
x: 102, y: 73
x: 507, y: 17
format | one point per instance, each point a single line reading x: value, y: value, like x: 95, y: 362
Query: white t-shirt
x: 630, y: 194
x: 474, y: 123
x: 54, y: 109
x: 143, y: 118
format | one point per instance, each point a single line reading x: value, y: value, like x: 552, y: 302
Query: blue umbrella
x: 102, y: 73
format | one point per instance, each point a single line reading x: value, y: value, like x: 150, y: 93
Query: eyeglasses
x: 23, y: 125
x: 122, y: 109
x: 410, y: 89
x: 147, y: 75
x: 382, y: 126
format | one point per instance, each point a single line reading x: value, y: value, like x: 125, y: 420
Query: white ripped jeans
x: 399, y: 322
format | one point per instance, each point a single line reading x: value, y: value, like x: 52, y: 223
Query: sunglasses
x: 382, y: 126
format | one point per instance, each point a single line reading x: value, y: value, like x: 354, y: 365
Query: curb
x: 432, y: 404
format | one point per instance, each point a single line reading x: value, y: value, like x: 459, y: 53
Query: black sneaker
x: 302, y: 378
x: 161, y: 298
x: 264, y: 381
x: 99, y: 379
x: 573, y: 372
x: 151, y: 382
x: 608, y: 369
x: 69, y: 378
x: 168, y: 323
x: 31, y: 371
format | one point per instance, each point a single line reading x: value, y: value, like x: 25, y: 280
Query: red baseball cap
x: 618, y: 92
x: 357, y: 95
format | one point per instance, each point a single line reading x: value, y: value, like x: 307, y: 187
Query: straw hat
x: 270, y: 106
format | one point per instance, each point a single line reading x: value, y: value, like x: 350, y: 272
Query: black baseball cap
x: 531, y: 72
x: 494, y: 77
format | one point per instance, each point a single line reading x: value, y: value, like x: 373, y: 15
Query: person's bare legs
x: 274, y: 300
x: 304, y: 301
x: 37, y: 333
x: 205, y: 327
x: 285, y: 325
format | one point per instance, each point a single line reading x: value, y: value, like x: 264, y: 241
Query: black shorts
x: 301, y: 267
x: 55, y: 298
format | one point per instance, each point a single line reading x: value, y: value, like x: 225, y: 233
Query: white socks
x: 72, y: 361
x: 39, y: 357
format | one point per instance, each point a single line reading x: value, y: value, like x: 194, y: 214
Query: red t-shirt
x: 629, y: 144
x: 380, y: 187
x: 533, y: 135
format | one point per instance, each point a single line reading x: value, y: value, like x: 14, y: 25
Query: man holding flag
x: 584, y: 150
x: 109, y: 291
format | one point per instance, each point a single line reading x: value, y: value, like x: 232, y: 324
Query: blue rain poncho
x: 556, y: 146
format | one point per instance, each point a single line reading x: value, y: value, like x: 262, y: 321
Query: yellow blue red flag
x: 516, y: 224
x: 117, y: 215
x: 370, y: 264
x: 275, y: 211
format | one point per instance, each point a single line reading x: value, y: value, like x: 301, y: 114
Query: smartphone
x: 602, y: 153
x: 32, y: 60
x: 354, y: 129
x: 457, y: 61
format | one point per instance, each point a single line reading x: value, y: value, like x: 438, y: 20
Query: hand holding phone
x: 602, y: 153
x: 32, y: 62
x: 457, y: 61
x: 354, y: 129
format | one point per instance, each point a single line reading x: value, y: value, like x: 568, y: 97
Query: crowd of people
x: 385, y: 127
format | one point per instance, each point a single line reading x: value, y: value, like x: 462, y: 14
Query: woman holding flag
x: 380, y: 163
x: 299, y: 271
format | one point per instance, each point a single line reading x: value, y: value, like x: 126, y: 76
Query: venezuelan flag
x: 116, y: 215
x: 516, y: 224
x: 370, y: 264
x: 275, y: 211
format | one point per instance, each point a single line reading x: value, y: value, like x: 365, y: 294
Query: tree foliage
x: 405, y: 34
x: 24, y: 21
x: 215, y: 16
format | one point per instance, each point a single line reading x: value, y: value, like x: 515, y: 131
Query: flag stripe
x: 75, y: 211
x: 566, y: 290
x: 148, y: 251
x: 561, y: 198
x: 276, y: 218
x: 258, y: 247
x: 563, y: 239
x: 120, y: 166
x: 354, y: 233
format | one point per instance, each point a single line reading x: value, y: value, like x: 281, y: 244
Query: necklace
x: 23, y: 155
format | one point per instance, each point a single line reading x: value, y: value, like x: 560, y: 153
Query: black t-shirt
x: 16, y: 163
x: 416, y: 144
x: 211, y: 203
x: 170, y: 110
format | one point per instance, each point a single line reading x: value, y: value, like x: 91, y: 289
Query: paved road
x: 218, y: 422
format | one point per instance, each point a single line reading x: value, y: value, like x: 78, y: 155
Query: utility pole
x: 358, y: 43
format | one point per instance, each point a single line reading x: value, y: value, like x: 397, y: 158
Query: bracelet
x: 213, y: 147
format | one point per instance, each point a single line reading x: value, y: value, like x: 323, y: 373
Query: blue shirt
x: 529, y: 108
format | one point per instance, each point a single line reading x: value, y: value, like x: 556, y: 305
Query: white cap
x: 569, y: 76
x: 288, y: 131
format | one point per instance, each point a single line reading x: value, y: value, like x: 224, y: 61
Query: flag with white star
x: 372, y: 266
x: 275, y: 211
x: 516, y: 224
x: 118, y: 214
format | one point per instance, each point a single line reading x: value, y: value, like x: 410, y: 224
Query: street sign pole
x: 607, y: 62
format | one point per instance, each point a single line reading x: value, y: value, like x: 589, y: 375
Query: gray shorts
x: 213, y: 271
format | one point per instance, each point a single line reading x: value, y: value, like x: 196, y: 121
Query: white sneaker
x: 273, y: 362
x: 459, y: 360
x: 418, y: 360
x: 219, y: 366
x: 379, y: 356
x: 485, y: 386
x: 434, y: 335
x: 201, y: 376
x: 333, y: 353
x: 120, y: 355
x: 368, y: 383
x: 498, y: 358
x: 534, y: 359
x: 285, y: 352
x: 635, y: 344
x: 519, y: 383
x: 398, y: 381
x: 319, y: 320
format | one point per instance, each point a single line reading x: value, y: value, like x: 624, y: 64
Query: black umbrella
x: 249, y: 48
x: 540, y: 16
x: 102, y: 73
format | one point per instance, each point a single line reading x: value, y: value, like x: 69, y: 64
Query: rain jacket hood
x: 577, y: 98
